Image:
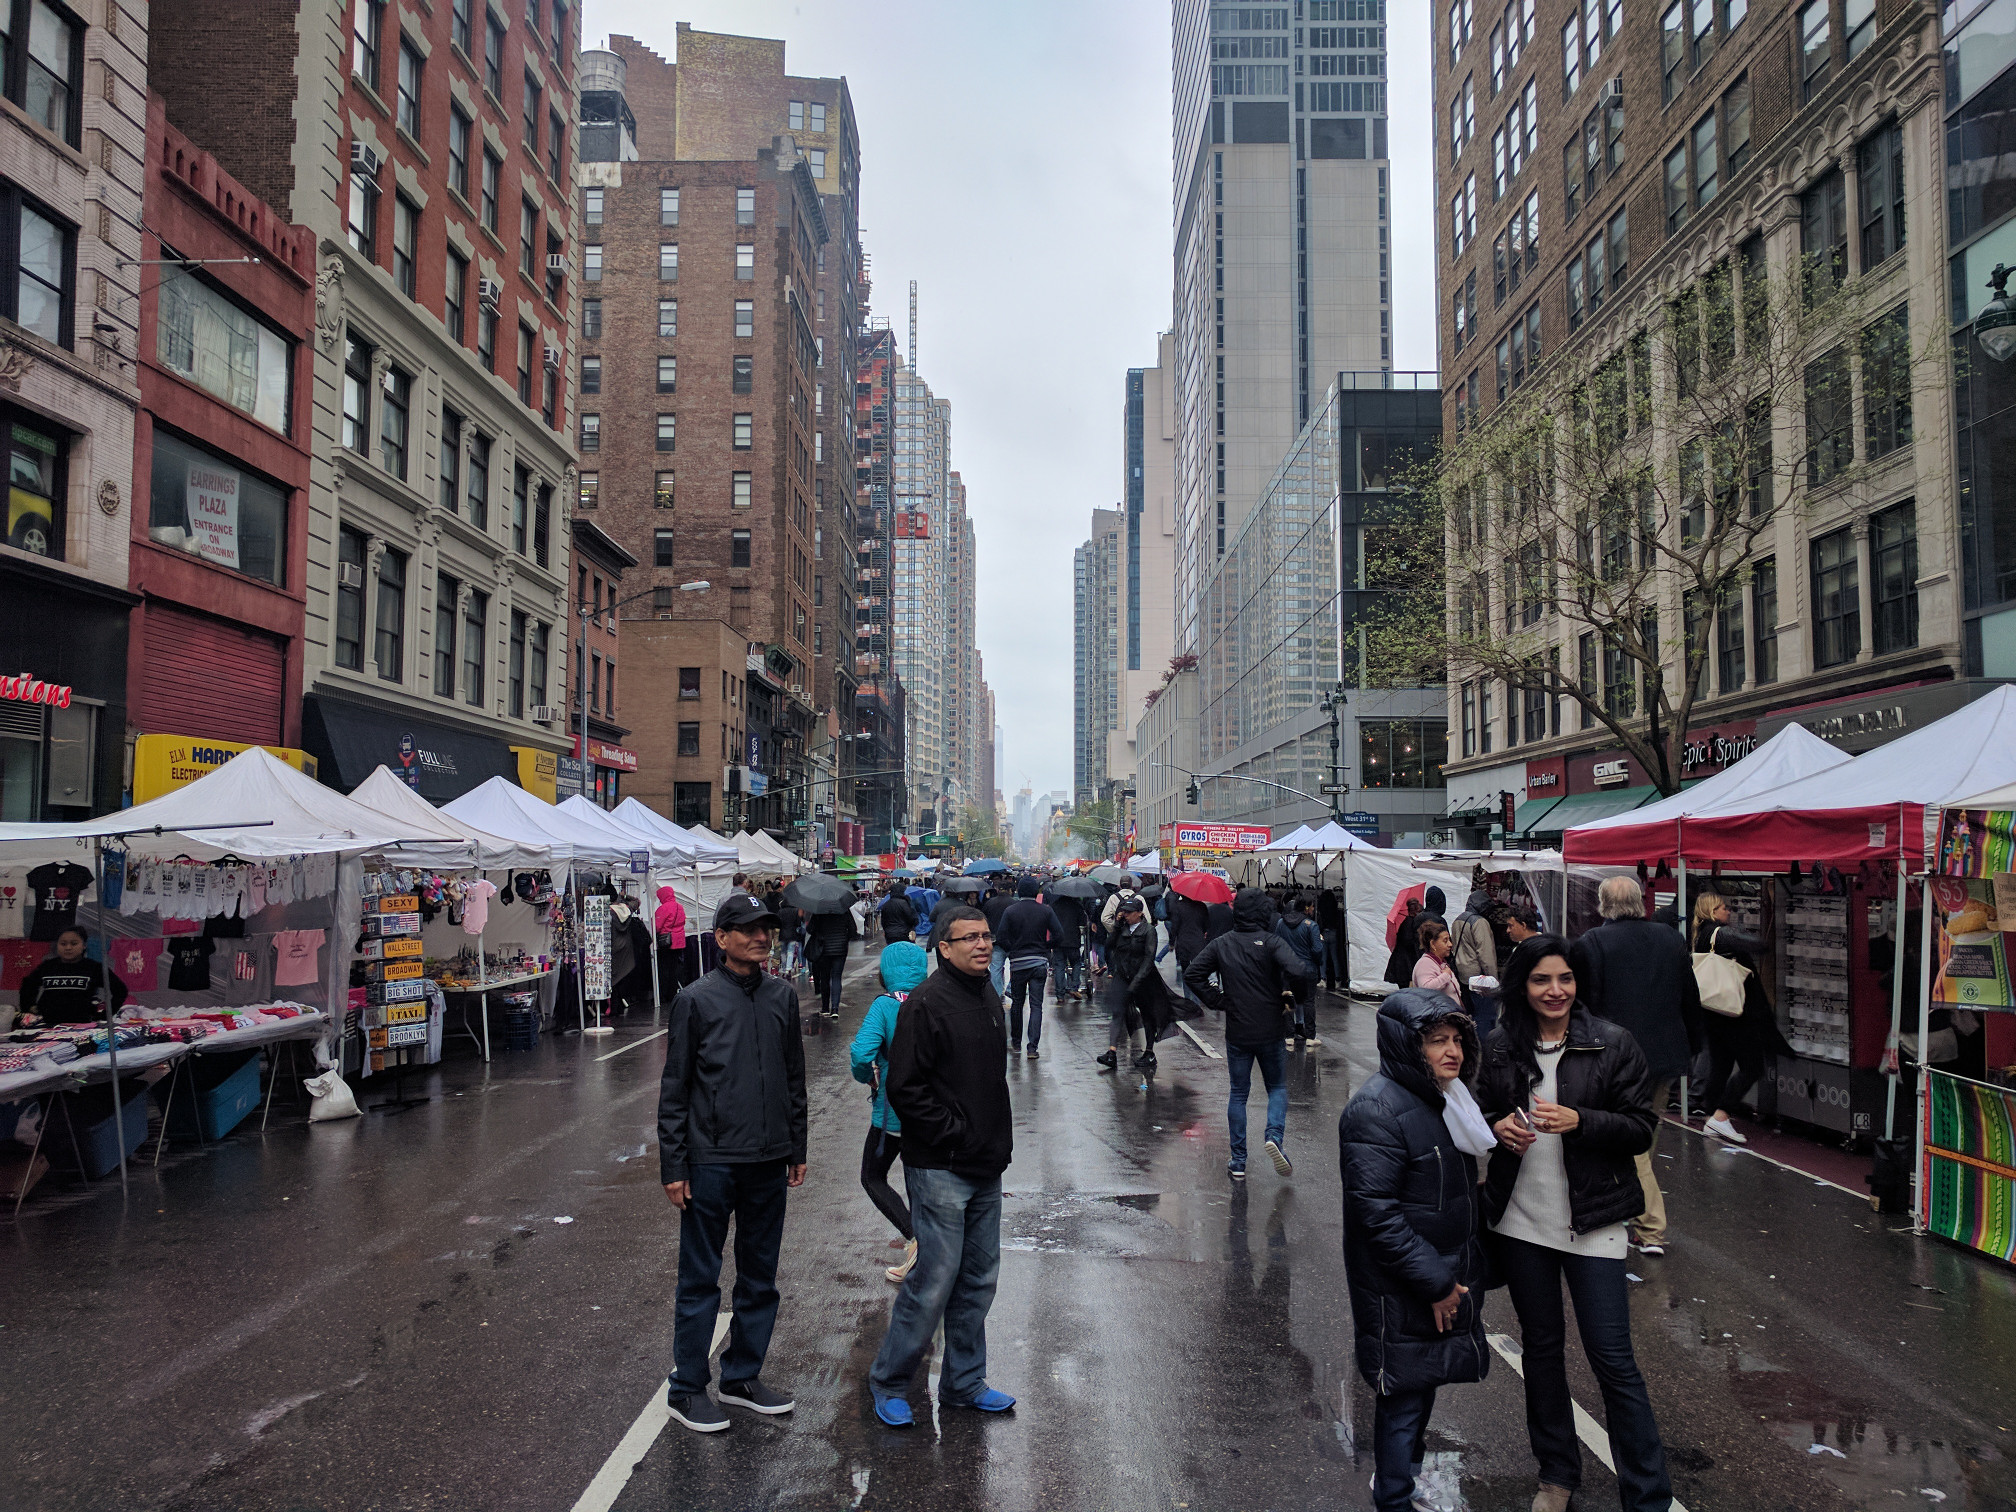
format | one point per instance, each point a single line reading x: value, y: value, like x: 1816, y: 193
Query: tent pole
x: 1896, y: 1005
x: 483, y: 968
x: 105, y: 1001
x: 1921, y: 1199
x: 657, y: 992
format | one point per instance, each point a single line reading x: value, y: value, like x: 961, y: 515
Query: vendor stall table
x: 481, y: 991
x: 85, y: 1071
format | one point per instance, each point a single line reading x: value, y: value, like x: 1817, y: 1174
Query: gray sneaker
x: 754, y: 1395
x: 696, y: 1410
x: 1283, y: 1166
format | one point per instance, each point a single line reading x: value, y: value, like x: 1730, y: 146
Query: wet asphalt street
x: 468, y: 1305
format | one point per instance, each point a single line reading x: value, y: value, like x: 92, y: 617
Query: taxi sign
x: 406, y: 1013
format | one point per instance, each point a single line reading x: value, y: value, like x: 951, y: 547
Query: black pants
x: 1735, y: 1062
x: 877, y: 1155
x: 753, y: 1195
x: 826, y: 977
x: 1399, y: 1439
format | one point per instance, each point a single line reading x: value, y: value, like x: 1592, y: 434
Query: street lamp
x: 586, y: 612
x: 1995, y: 327
x: 1333, y: 704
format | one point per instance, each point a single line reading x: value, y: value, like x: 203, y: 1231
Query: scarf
x: 1466, y: 1124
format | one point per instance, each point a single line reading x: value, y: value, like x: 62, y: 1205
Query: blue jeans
x: 1026, y: 983
x: 1533, y: 1276
x: 1273, y: 1060
x: 997, y: 971
x: 1068, y: 965
x: 754, y: 1196
x: 958, y: 1224
x: 1399, y: 1438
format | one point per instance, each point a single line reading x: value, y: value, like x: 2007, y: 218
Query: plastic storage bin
x: 218, y: 1090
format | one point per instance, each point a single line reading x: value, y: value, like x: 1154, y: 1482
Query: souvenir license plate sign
x: 396, y: 992
x: 392, y: 971
x: 399, y: 903
x: 406, y: 1013
x: 388, y: 925
x: 385, y: 950
x: 398, y: 1035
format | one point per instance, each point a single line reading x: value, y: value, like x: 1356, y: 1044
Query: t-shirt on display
x: 294, y: 963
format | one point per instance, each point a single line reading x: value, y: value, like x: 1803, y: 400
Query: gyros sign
x: 29, y: 689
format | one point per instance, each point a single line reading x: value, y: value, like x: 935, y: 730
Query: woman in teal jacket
x: 904, y: 965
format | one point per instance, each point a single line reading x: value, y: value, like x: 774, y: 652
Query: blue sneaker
x: 893, y: 1411
x: 989, y: 1400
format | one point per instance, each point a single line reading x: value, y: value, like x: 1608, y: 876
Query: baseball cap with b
x: 740, y: 911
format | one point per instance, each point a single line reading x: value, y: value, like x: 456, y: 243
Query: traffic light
x: 1191, y: 794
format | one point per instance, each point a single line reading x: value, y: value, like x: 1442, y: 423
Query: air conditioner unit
x: 364, y: 158
x: 552, y: 359
x: 349, y: 575
x: 556, y: 262
x: 489, y: 294
x: 544, y: 714
x: 1612, y: 92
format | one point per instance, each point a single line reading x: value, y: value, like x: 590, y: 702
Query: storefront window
x: 210, y: 341
x: 692, y: 803
x: 211, y: 507
x: 1402, y: 753
x: 35, y: 469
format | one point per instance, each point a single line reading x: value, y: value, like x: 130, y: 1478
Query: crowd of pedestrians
x: 1507, y: 1140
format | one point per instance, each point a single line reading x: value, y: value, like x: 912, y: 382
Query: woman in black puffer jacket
x: 1408, y: 1144
x: 1570, y: 1100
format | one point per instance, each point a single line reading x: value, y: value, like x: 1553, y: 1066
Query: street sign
x: 1357, y: 818
x: 1334, y: 787
x: 386, y: 950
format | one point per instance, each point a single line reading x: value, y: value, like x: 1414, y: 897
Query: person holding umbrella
x: 1136, y: 993
x: 1066, y: 897
x: 827, y: 905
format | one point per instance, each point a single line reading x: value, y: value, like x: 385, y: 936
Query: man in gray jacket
x: 731, y: 1140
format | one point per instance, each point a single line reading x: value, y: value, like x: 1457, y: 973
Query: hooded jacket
x: 1476, y: 946
x: 733, y: 1090
x: 898, y: 915
x: 1411, y: 1230
x: 1254, y: 966
x: 670, y: 920
x: 1602, y: 1076
x: 948, y: 1080
x: 1189, y: 927
x: 828, y: 935
x: 904, y: 966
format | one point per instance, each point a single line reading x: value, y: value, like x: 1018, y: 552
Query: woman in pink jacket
x: 670, y: 925
x: 1432, y: 970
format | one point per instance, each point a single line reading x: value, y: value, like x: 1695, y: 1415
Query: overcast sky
x: 1015, y: 161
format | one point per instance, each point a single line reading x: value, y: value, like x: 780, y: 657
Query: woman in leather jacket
x: 1736, y: 1046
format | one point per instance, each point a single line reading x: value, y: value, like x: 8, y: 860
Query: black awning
x: 439, y: 762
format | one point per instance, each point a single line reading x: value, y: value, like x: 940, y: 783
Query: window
x: 363, y: 218
x: 542, y: 530
x: 668, y: 374
x: 1672, y: 50
x: 1585, y: 652
x: 187, y: 481
x: 1469, y: 719
x: 410, y: 67
x: 689, y: 682
x: 521, y: 489
x: 1701, y: 33
x: 1886, y: 384
x: 514, y: 669
x: 1707, y: 162
x: 1736, y: 124
x: 744, y: 432
x: 591, y: 432
x: 1859, y: 21
x: 405, y: 243
x: 591, y: 319
x: 201, y: 335
x: 394, y: 398
x: 745, y: 207
x: 451, y: 462
x: 479, y: 480
x: 1729, y: 666
x: 556, y: 261
x: 1837, y: 609
x: 475, y: 646
x: 534, y: 99
x: 1533, y: 708
x: 1571, y: 58
x: 668, y: 207
x: 532, y: 17
x: 741, y: 490
x: 591, y: 375
x: 689, y: 738
x: 493, y: 169
x: 1620, y: 248
x: 591, y: 266
x: 542, y: 634
x: 493, y: 56
x: 366, y: 40
x: 1676, y: 189
x: 390, y: 646
x: 447, y: 592
x: 1893, y: 564
x: 1402, y: 753
x: 668, y: 262
x: 692, y: 803
x: 668, y: 432
x: 661, y: 548
x: 1816, y: 47
x: 745, y: 317
x: 591, y: 490
x: 1879, y: 186
x: 524, y: 363
x: 356, y: 396
x: 664, y: 491
x: 818, y: 157
x: 738, y: 548
x: 454, y: 291
x: 745, y: 261
x: 350, y: 553
x: 591, y: 207
x: 528, y: 238
x: 668, y: 319
x: 556, y: 144
x: 459, y: 25
x: 1829, y: 429
x: 743, y: 376
x: 1463, y: 215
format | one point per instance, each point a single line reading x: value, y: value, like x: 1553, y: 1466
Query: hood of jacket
x: 1477, y: 903
x: 1403, y: 1019
x: 904, y: 965
x: 1028, y: 887
x: 1252, y: 911
x: 1435, y: 903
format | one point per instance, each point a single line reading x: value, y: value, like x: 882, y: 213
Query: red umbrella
x: 1397, y: 914
x: 1201, y: 887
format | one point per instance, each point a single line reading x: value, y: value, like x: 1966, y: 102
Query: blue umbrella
x: 986, y: 867
x: 903, y: 871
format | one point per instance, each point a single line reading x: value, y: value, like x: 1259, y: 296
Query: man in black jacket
x: 731, y: 1139
x: 1254, y: 967
x: 827, y: 938
x: 1025, y: 932
x: 1071, y: 954
x: 899, y: 917
x: 949, y: 1086
x: 1639, y: 974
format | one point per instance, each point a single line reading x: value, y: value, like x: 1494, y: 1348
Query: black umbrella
x: 962, y: 885
x: 820, y: 893
x: 1074, y: 887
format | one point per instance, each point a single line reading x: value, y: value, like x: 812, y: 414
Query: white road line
x: 629, y: 1452
x: 1587, y: 1428
x: 634, y: 1044
x: 1703, y: 1134
x: 1199, y: 1043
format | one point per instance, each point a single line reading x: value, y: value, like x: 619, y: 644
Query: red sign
x: 1216, y: 837
x: 612, y: 756
x: 29, y: 689
x: 912, y: 526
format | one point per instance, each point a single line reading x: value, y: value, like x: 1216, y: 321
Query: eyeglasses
x: 967, y: 939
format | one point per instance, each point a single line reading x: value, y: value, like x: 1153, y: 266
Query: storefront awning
x: 1529, y: 813
x: 439, y: 763
x: 1586, y: 808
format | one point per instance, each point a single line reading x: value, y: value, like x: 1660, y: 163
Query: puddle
x: 1876, y: 1466
x: 1120, y: 1224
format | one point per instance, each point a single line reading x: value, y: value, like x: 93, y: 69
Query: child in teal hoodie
x: 904, y: 966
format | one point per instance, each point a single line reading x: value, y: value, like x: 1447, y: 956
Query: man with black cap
x: 731, y: 1140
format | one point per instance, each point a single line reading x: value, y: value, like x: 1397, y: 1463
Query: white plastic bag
x: 333, y: 1098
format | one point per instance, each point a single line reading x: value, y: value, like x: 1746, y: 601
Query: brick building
x: 718, y: 370
x: 73, y: 141
x: 1605, y: 172
x: 878, y: 702
x: 219, y: 552
x: 597, y: 769
x: 430, y: 150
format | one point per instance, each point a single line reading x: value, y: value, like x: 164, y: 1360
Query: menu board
x: 594, y: 948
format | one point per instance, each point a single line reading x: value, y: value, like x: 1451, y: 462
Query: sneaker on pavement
x: 696, y: 1410
x: 754, y: 1395
x: 1721, y: 1128
x: 989, y: 1400
x: 898, y: 1273
x: 1648, y: 1247
x: 1109, y: 1060
x: 1034, y: 1053
x: 1315, y: 1040
x: 1236, y: 1172
x: 893, y: 1411
x: 1551, y: 1498
x: 1282, y: 1164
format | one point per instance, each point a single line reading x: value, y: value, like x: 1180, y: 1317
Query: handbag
x: 1720, y: 979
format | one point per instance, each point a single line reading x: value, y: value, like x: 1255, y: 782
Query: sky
x: 1015, y: 161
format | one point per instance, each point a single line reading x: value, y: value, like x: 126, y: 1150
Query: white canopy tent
x: 1375, y: 877
x: 503, y: 808
x: 1297, y: 839
x: 701, y: 845
x: 758, y: 852
x: 1147, y: 861
x: 1334, y: 837
x: 449, y: 842
x: 663, y: 853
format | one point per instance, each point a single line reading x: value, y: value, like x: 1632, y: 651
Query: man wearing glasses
x: 948, y: 1085
x: 731, y: 1141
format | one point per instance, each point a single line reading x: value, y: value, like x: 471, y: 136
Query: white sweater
x: 1538, y: 1211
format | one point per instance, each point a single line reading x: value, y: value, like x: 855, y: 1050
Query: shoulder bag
x: 1721, y: 980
